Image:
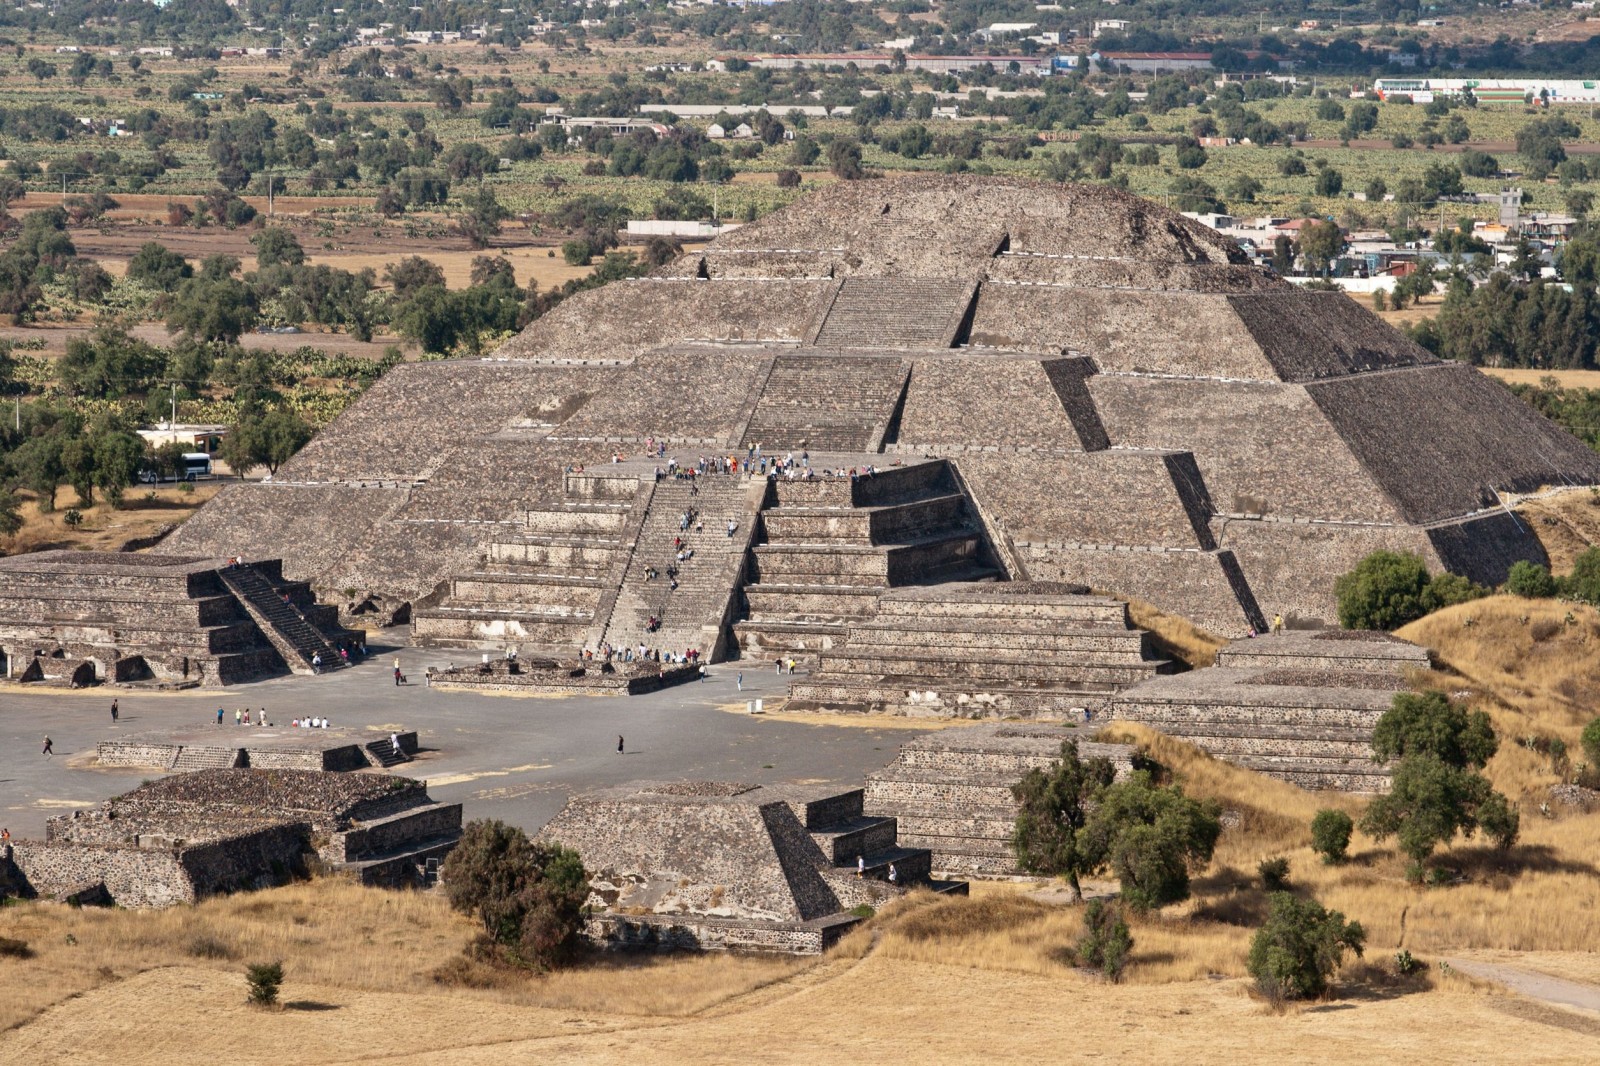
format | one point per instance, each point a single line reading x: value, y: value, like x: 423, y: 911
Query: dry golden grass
x: 1175, y: 636
x: 1567, y: 524
x: 105, y: 528
x: 1566, y: 379
x: 335, y: 934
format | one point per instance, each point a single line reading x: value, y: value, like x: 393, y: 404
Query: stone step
x: 995, y: 664
x: 914, y: 697
x: 913, y: 866
x: 1226, y: 745
x: 1189, y: 713
x: 842, y: 842
x: 192, y: 757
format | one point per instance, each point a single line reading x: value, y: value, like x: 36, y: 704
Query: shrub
x: 1330, y: 835
x: 1150, y: 836
x: 264, y: 979
x: 1302, y: 943
x: 73, y: 518
x: 577, y: 252
x: 1106, y: 942
x: 1406, y: 964
x: 1274, y: 873
x: 529, y: 896
x: 1584, y: 581
x: 1530, y: 580
x: 14, y: 949
x: 1590, y: 741
x: 1384, y: 591
x: 1447, y: 590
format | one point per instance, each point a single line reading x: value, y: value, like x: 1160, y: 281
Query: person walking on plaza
x: 619, y: 743
x: 113, y: 712
x: 219, y: 715
x: 238, y: 716
x: 49, y: 748
x: 739, y: 680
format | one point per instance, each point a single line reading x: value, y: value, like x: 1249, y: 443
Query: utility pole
x: 269, y: 195
x: 173, y: 425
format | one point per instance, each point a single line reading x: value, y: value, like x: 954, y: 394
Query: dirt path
x: 1533, y: 984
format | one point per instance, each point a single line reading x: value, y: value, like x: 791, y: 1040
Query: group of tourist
x: 310, y: 723
x: 241, y: 716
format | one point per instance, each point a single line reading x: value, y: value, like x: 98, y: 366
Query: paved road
x: 507, y: 757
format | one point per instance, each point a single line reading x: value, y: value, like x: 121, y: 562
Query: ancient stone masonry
x: 713, y: 865
x: 1299, y: 706
x: 950, y: 791
x: 188, y: 836
x: 80, y: 617
x: 1127, y: 405
x: 1011, y: 649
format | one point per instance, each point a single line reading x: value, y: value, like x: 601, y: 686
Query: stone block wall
x: 422, y: 823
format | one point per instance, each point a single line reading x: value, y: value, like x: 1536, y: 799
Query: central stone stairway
x: 692, y: 615
x: 829, y: 547
x: 977, y: 651
x: 895, y: 313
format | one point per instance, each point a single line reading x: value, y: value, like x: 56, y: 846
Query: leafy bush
x: 1106, y: 942
x: 1584, y: 581
x: 1330, y: 835
x: 1052, y: 809
x: 528, y: 895
x: 1297, y: 951
x: 1530, y: 580
x: 1500, y: 820
x: 1274, y: 873
x: 210, y: 947
x: 264, y: 979
x: 1388, y: 589
x: 1150, y: 836
x: 1427, y: 723
x: 577, y: 252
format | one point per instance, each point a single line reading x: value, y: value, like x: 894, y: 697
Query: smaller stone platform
x: 950, y: 791
x: 988, y: 650
x: 277, y: 747
x: 1299, y: 706
x: 533, y: 676
x: 184, y: 837
x: 714, y: 865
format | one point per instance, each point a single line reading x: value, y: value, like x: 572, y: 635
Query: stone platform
x: 1299, y: 706
x: 950, y: 791
x: 713, y: 865
x: 191, y: 835
x: 277, y: 747
x: 77, y: 618
x: 533, y: 676
x: 991, y: 650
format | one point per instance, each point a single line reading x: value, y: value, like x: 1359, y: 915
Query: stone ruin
x: 1299, y: 706
x: 950, y: 791
x: 78, y: 618
x: 226, y: 747
x: 185, y: 837
x: 1055, y: 383
x: 708, y: 865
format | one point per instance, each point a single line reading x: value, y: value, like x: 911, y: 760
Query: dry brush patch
x: 1175, y: 636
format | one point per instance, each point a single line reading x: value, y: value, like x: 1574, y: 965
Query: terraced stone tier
x: 922, y: 698
x: 1312, y: 736
x: 1326, y: 649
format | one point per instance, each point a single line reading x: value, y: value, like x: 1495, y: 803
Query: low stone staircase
x: 830, y: 547
x: 693, y: 614
x: 385, y: 754
x: 894, y: 312
x: 281, y: 622
x: 826, y: 403
x: 847, y: 835
x: 195, y: 757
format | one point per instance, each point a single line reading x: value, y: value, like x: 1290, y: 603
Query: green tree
x: 159, y: 268
x: 1428, y: 724
x: 1530, y: 580
x: 844, y: 159
x: 1330, y: 183
x: 411, y: 274
x: 1330, y: 835
x: 10, y: 513
x: 481, y: 216
x: 118, y: 455
x: 277, y: 245
x: 108, y: 363
x: 1300, y: 947
x: 1428, y: 803
x: 1053, y: 807
x: 528, y: 896
x: 264, y: 979
x: 212, y: 309
x: 39, y: 467
x: 1150, y: 837
x: 1321, y: 244
x: 1384, y: 591
x: 1584, y: 581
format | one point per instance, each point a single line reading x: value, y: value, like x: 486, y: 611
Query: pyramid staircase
x: 895, y: 312
x: 826, y: 403
x: 827, y: 549
x: 282, y: 621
